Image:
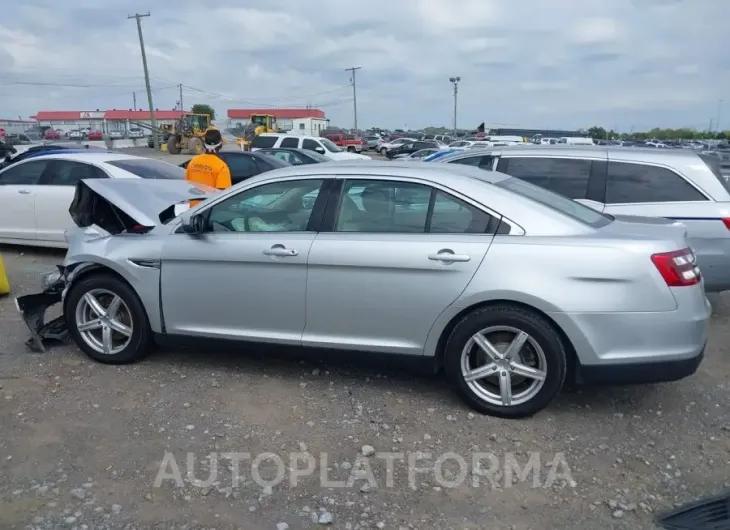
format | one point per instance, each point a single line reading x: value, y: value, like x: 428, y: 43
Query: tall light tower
x: 455, y: 82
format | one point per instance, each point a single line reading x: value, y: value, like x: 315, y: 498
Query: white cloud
x: 570, y: 63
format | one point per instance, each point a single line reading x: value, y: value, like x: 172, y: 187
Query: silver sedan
x: 512, y: 289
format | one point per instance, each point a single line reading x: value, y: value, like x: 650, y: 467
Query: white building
x: 307, y: 122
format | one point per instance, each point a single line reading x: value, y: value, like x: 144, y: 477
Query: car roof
x: 421, y: 170
x: 608, y: 151
x: 88, y: 156
x: 285, y: 135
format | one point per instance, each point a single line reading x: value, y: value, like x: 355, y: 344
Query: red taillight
x: 726, y: 222
x: 678, y: 268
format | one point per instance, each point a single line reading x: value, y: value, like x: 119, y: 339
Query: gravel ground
x: 83, y: 444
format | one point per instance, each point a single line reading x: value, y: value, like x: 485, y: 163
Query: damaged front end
x: 102, y: 209
x: 33, y: 308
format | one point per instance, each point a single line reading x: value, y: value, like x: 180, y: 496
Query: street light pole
x: 719, y: 112
x: 455, y: 82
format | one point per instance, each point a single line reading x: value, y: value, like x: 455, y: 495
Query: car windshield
x: 331, y: 147
x: 147, y: 168
x: 554, y: 201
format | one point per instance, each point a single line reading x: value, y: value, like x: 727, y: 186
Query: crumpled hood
x: 118, y: 205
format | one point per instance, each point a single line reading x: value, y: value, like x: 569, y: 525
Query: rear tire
x: 195, y: 146
x: 117, y: 336
x: 172, y: 146
x: 350, y: 149
x: 538, y: 351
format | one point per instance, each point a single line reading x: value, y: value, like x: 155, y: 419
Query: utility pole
x: 354, y: 91
x: 134, y: 100
x: 181, y: 100
x: 719, y: 112
x: 455, y: 82
x: 138, y: 17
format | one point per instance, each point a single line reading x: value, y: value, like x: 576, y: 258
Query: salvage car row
x: 513, y: 289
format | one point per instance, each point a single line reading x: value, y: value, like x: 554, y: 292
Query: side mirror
x: 319, y: 150
x: 194, y: 225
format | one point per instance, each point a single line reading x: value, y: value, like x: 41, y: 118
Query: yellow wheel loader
x: 258, y: 124
x: 187, y: 134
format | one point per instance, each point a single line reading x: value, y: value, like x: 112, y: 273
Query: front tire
x: 172, y: 145
x: 195, y: 145
x: 505, y: 361
x: 107, y: 320
x: 350, y: 149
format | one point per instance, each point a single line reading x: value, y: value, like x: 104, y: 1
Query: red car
x: 94, y: 135
x: 51, y: 134
x: 348, y: 142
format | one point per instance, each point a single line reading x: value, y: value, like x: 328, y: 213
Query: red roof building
x: 76, y: 115
x: 279, y: 114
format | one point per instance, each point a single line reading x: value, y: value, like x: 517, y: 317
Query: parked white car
x: 35, y: 194
x: 135, y: 133
x: 323, y: 146
x: 75, y: 135
x: 387, y: 146
x: 116, y: 135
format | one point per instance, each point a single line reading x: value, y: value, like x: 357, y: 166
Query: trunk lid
x: 131, y: 205
x: 648, y: 227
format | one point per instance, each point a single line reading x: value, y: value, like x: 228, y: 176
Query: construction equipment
x: 187, y: 134
x: 4, y: 284
x: 258, y: 124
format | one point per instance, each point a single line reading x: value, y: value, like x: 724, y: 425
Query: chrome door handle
x: 24, y: 192
x: 448, y: 256
x: 280, y: 252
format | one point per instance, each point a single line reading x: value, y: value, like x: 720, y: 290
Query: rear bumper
x: 639, y: 347
x: 638, y: 373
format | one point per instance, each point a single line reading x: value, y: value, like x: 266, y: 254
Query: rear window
x: 150, y: 169
x: 714, y: 164
x: 260, y: 142
x: 563, y: 205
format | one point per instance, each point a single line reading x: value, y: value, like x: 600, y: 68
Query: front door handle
x: 448, y: 256
x: 24, y: 192
x: 280, y: 251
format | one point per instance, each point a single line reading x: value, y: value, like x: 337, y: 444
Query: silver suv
x: 677, y: 184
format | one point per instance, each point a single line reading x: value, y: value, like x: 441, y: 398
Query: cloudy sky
x: 626, y: 64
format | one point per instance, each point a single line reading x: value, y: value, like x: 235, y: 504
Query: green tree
x: 202, y: 108
x: 597, y: 133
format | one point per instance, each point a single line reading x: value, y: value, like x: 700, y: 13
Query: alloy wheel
x: 503, y: 366
x: 104, y: 321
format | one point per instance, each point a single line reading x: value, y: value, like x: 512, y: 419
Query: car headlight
x: 49, y: 278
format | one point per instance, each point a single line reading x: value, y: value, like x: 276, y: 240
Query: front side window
x: 369, y: 206
x: 25, y: 174
x: 310, y: 145
x: 566, y: 176
x: 68, y: 173
x: 276, y: 207
x: 290, y: 142
x: 639, y: 183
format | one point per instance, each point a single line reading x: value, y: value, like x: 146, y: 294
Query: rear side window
x: 150, y: 169
x: 554, y: 201
x: 261, y: 142
x: 639, y: 183
x: 566, y: 176
x: 290, y: 142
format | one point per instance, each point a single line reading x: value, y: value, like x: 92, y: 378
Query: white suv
x: 322, y: 146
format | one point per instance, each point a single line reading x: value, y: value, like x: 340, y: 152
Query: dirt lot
x: 83, y: 444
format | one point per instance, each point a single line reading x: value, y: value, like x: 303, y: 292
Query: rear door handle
x: 280, y: 251
x: 447, y: 256
x: 24, y: 192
